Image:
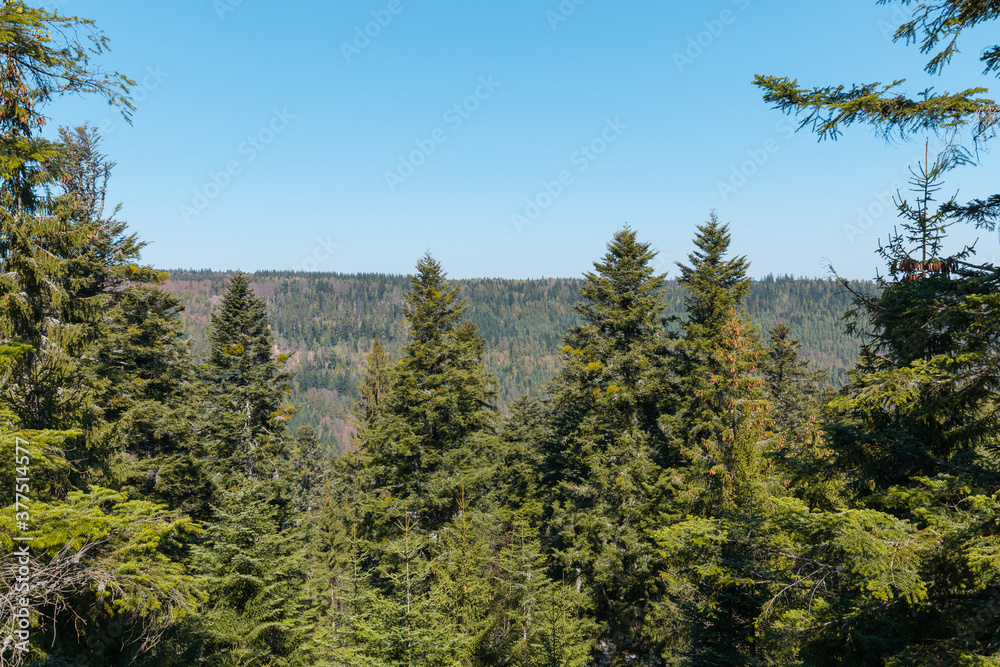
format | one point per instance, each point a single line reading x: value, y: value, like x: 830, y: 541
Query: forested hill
x: 329, y: 319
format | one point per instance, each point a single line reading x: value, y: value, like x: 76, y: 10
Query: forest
x: 326, y: 323
x: 611, y: 470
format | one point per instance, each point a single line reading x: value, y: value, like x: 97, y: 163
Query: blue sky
x: 510, y: 138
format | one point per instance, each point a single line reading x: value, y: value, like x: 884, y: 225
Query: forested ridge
x: 326, y: 323
x: 681, y: 486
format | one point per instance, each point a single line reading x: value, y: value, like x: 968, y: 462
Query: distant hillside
x: 328, y: 321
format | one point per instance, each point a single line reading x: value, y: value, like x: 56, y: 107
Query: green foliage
x: 603, y: 449
x: 249, y: 385
x: 95, y: 555
x: 432, y: 436
x: 255, y: 573
x: 329, y: 320
x: 934, y: 25
x: 44, y: 56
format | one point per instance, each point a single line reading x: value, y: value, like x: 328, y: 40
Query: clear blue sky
x: 308, y: 130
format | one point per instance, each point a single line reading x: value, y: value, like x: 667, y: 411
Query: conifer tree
x: 351, y: 502
x: 436, y: 427
x: 253, y: 555
x: 144, y: 433
x: 373, y: 391
x: 890, y: 579
x: 249, y: 386
x: 716, y: 286
x: 60, y: 271
x: 913, y: 432
x: 930, y: 369
x: 725, y: 499
x: 64, y: 268
x: 310, y: 470
x: 601, y: 465
x: 405, y: 624
x: 793, y: 390
x: 45, y: 55
x: 798, y: 397
x: 715, y: 289
x: 256, y: 572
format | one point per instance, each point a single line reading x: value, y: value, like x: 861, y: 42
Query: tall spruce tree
x: 715, y: 286
x: 601, y: 467
x: 420, y: 480
x: 716, y: 553
x: 435, y: 431
x: 253, y: 554
x: 798, y: 397
x: 248, y: 385
x: 914, y: 433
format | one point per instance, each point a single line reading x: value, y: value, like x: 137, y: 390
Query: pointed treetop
x: 434, y: 305
x: 623, y: 293
x: 716, y: 285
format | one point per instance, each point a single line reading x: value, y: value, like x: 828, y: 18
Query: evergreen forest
x: 619, y: 469
x: 326, y: 323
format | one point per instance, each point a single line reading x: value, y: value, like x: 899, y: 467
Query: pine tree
x: 724, y: 499
x: 929, y: 372
x: 715, y: 285
x: 66, y: 272
x: 310, y: 470
x: 794, y: 391
x: 798, y: 397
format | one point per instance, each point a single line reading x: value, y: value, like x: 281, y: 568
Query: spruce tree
x: 254, y: 551
x: 256, y: 571
x: 724, y: 499
x: 929, y: 369
x: 914, y: 433
x: 404, y: 623
x: 795, y: 391
x: 434, y: 435
x: 601, y: 458
x: 715, y: 287
x: 373, y: 391
x: 899, y: 577
x: 248, y: 386
x: 351, y: 503
x: 101, y: 555
x: 798, y: 397
x: 310, y: 469
x: 145, y: 432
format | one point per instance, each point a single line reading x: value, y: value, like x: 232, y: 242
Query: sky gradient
x: 511, y: 139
